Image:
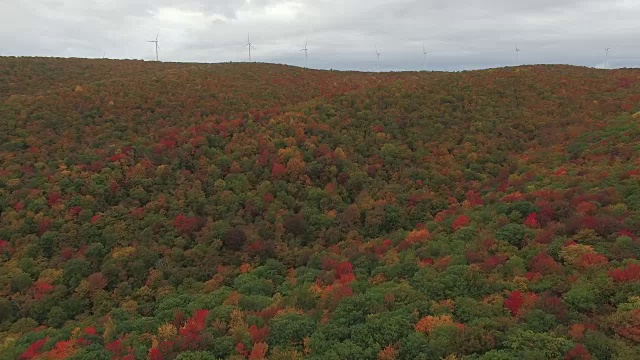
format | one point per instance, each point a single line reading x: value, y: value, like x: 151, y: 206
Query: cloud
x: 342, y: 34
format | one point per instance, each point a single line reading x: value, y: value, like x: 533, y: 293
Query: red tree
x: 41, y: 288
x: 115, y: 347
x: 155, y: 354
x: 492, y: 261
x: 89, y: 330
x: 460, y: 222
x: 579, y: 352
x: 629, y: 273
x: 34, y: 349
x: 258, y: 351
x: 544, y: 264
x: 4, y: 246
x: 532, y: 221
x: 192, y: 329
x: 187, y: 224
x: 240, y: 348
x: 278, y: 170
x: 514, y: 301
x: 592, y: 259
x: 258, y: 334
x: 54, y: 198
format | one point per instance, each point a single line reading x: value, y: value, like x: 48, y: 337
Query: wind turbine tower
x: 517, y: 55
x: 249, y: 45
x: 606, y: 58
x: 424, y: 61
x: 305, y: 49
x: 378, y: 59
x: 156, y: 42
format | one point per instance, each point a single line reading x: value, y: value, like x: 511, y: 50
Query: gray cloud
x: 342, y: 34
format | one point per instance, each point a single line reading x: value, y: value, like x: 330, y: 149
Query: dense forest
x: 255, y: 211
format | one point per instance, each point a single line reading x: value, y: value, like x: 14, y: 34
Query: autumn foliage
x: 428, y: 323
x: 33, y: 351
x: 628, y: 273
x: 259, y: 211
x: 459, y: 222
x: 516, y: 300
x: 579, y: 352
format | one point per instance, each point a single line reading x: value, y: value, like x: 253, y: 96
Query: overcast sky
x: 342, y: 34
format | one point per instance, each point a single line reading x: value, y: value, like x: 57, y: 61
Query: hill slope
x: 196, y: 211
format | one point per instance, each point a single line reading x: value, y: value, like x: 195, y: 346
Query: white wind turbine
x: 517, y: 55
x: 156, y: 42
x: 606, y: 58
x: 378, y: 58
x: 305, y: 49
x: 424, y: 61
x: 249, y: 45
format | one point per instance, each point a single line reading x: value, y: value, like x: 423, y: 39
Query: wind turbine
x: 606, y: 58
x: 305, y: 49
x: 378, y: 58
x: 517, y: 54
x: 156, y: 42
x: 424, y: 53
x: 249, y: 45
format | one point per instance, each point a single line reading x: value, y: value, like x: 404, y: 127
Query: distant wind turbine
x: 305, y: 49
x: 249, y: 45
x: 378, y: 58
x: 517, y: 55
x: 156, y: 42
x: 606, y: 58
x: 424, y: 53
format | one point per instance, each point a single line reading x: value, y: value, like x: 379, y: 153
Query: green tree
x: 91, y: 352
x: 512, y: 233
x: 195, y: 355
x: 583, y: 296
x: 531, y: 345
x: 289, y: 329
x: 20, y: 281
x: 74, y: 271
x: 6, y: 310
x: 57, y: 317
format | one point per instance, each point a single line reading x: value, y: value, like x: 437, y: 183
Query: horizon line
x: 398, y: 70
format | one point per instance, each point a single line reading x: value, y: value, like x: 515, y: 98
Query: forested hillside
x: 255, y: 211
